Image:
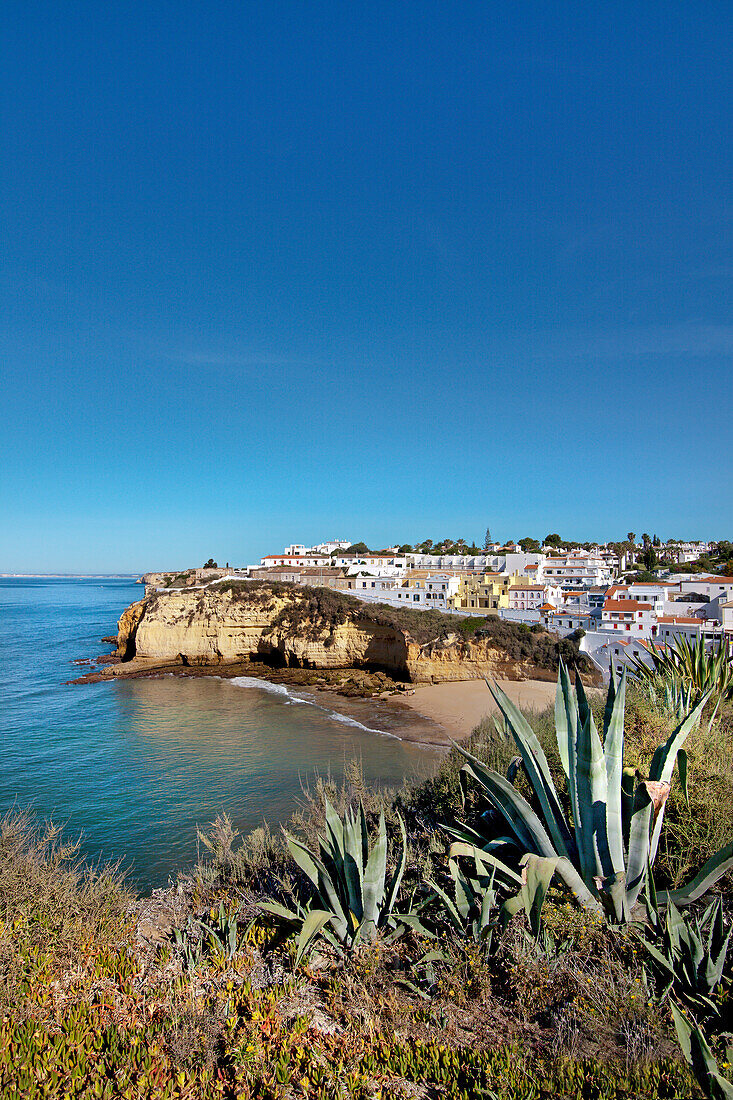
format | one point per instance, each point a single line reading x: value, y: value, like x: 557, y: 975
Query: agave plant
x: 687, y: 672
x: 350, y: 894
x: 472, y: 911
x: 688, y: 955
x: 701, y: 1059
x: 602, y: 849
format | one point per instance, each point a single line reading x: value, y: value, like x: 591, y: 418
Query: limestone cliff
x: 302, y: 628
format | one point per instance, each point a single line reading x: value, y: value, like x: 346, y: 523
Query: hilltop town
x: 615, y: 597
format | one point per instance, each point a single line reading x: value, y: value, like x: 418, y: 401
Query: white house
x: 295, y: 560
x: 531, y: 597
x: 431, y: 592
x: 577, y: 569
x: 565, y: 622
x: 671, y: 627
x: 628, y: 617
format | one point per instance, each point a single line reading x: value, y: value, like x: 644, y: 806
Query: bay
x: 134, y: 766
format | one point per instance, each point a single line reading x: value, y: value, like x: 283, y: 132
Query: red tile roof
x: 681, y: 619
x: 626, y: 605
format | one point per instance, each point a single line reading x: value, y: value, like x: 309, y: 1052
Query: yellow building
x: 485, y: 592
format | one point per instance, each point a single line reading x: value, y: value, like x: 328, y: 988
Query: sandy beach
x: 460, y: 705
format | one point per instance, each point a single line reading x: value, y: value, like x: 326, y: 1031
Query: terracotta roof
x: 626, y: 605
x: 681, y: 619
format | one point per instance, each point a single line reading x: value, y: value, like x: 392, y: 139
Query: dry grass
x: 52, y: 906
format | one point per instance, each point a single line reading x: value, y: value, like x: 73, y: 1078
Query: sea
x: 132, y: 768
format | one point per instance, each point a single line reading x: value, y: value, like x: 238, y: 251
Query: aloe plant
x: 603, y: 847
x: 351, y: 897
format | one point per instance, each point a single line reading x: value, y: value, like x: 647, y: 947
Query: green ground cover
x: 199, y: 993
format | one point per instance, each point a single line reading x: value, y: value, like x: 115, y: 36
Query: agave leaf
x: 574, y: 882
x: 448, y: 903
x: 628, y: 781
x: 514, y: 765
x: 396, y: 880
x: 700, y: 1057
x: 374, y: 875
x: 709, y: 874
x: 639, y: 833
x: 682, y: 768
x: 566, y: 727
x: 538, y: 771
x: 613, y: 751
x: 518, y: 813
x: 664, y: 759
x: 460, y: 848
x: 464, y: 894
x: 304, y: 858
x: 364, y: 837
x: 353, y: 871
x: 610, y: 699
x: 335, y: 830
x: 718, y: 942
x: 278, y: 910
x: 539, y: 871
x: 592, y: 787
x: 324, y: 885
x: 312, y: 925
x: 659, y: 957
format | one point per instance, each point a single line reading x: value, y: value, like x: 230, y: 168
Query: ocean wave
x: 290, y: 699
x: 263, y: 685
x: 359, y: 725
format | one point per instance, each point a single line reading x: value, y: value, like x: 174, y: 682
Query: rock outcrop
x: 284, y: 626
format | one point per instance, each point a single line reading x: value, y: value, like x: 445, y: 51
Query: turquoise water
x: 135, y: 765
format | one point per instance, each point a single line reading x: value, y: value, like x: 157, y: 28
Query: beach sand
x: 458, y: 706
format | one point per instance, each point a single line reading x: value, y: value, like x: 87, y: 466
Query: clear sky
x: 288, y: 271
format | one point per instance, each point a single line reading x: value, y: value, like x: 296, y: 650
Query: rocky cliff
x: 318, y: 629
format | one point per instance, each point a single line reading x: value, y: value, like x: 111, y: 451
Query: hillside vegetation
x: 201, y: 993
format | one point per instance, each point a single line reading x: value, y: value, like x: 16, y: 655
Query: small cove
x: 134, y: 766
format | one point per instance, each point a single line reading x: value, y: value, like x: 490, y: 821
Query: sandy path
x: 460, y: 705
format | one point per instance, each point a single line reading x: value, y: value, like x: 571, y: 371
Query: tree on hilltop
x: 553, y: 540
x: 487, y: 540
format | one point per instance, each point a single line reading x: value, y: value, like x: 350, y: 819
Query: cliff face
x: 210, y: 627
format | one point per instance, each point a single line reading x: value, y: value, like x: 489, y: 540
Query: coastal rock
x: 289, y: 627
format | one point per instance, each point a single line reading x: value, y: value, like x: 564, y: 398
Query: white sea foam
x: 290, y: 699
x: 263, y: 685
x: 359, y: 725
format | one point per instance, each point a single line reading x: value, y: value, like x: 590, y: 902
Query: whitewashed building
x: 628, y: 617
x: 576, y: 569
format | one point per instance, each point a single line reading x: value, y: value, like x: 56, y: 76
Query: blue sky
x: 388, y: 271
